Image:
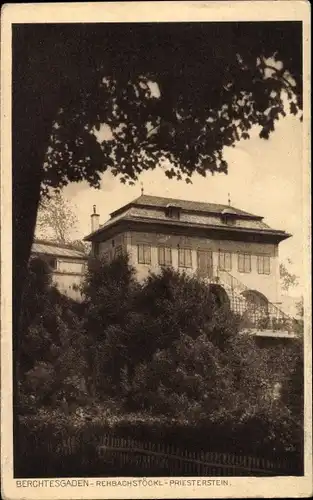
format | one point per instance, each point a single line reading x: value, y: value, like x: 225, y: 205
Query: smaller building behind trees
x: 66, y: 262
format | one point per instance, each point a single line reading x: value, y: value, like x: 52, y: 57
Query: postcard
x: 155, y: 250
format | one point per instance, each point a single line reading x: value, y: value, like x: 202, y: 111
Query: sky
x: 265, y: 177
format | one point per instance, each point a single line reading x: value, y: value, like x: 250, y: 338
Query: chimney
x: 94, y: 220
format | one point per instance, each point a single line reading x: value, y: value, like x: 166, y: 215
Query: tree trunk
x: 29, y: 145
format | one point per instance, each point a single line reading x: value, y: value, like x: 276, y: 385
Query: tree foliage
x: 52, y: 363
x: 288, y: 280
x: 166, y: 348
x: 178, y: 111
x: 163, y: 349
x: 175, y: 92
x: 127, y: 322
x: 109, y: 291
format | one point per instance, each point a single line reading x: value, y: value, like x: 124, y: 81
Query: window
x: 118, y: 251
x: 107, y: 256
x: 244, y: 262
x: 224, y: 261
x: 165, y: 256
x: 184, y: 257
x: 52, y: 263
x: 205, y: 263
x: 264, y: 264
x: 144, y: 254
x: 96, y: 247
x: 173, y: 212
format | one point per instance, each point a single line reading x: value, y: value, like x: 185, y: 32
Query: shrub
x: 51, y: 350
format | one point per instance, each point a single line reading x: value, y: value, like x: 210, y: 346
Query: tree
x: 109, y: 290
x: 56, y: 219
x: 288, y: 280
x: 187, y: 380
x: 175, y: 303
x: 127, y: 322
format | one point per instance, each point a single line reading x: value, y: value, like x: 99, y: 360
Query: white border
x: 140, y: 12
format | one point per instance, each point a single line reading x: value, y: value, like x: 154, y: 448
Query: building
x: 236, y: 252
x: 67, y: 265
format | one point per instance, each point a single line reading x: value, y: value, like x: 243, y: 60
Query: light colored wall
x: 67, y: 283
x: 68, y: 275
x: 70, y: 266
x: 107, y: 246
x: 266, y: 284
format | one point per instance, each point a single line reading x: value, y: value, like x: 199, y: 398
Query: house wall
x: 109, y: 246
x: 67, y: 274
x: 70, y: 266
x: 67, y: 283
x: 266, y: 284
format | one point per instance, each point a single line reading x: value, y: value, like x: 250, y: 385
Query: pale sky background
x: 265, y: 177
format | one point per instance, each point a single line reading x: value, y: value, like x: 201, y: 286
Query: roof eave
x: 55, y: 254
x: 279, y: 235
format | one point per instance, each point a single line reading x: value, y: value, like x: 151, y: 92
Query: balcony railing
x: 256, y: 315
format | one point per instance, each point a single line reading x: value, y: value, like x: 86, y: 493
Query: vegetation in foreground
x: 151, y: 358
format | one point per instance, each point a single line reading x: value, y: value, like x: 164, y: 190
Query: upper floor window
x: 96, y: 248
x: 165, y: 256
x: 173, y: 211
x: 264, y: 264
x: 224, y: 261
x: 107, y: 256
x: 184, y: 257
x: 144, y: 254
x: 53, y: 263
x: 118, y: 251
x: 244, y: 263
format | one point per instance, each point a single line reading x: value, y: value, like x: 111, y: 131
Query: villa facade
x: 236, y: 252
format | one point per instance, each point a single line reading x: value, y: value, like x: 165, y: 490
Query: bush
x: 51, y: 350
x: 189, y: 378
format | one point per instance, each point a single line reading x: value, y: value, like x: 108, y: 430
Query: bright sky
x: 265, y: 178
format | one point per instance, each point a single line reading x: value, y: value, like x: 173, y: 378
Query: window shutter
x: 267, y: 265
x: 96, y: 247
x: 240, y: 262
x: 220, y: 260
x: 181, y: 257
x: 147, y: 254
x: 118, y: 251
x: 161, y: 256
x: 140, y: 254
x: 229, y: 266
x: 247, y: 262
x: 188, y: 258
x: 168, y: 256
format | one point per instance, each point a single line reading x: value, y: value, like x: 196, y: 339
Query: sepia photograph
x: 155, y: 235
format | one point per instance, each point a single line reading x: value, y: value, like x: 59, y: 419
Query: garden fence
x: 110, y: 455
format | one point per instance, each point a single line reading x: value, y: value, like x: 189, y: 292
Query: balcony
x: 257, y: 314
